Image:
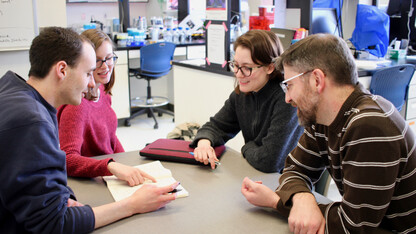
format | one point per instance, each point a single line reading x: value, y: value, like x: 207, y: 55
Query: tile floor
x: 141, y: 132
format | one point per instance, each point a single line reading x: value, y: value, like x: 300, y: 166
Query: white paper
x: 216, y: 43
x: 120, y: 189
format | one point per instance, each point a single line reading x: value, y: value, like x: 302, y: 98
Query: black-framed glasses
x: 284, y: 84
x: 109, y: 61
x: 246, y: 71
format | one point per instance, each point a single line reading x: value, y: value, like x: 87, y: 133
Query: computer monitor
x: 285, y: 35
x: 324, y: 20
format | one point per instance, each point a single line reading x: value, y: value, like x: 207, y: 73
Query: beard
x: 307, y: 108
x: 307, y: 118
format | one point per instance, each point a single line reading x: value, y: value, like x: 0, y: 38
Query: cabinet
x: 121, y: 94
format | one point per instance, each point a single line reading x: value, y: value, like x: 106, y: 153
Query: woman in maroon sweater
x: 90, y: 129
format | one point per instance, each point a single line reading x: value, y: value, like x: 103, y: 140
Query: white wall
x: 51, y: 13
x: 18, y: 61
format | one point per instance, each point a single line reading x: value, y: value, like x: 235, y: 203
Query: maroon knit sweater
x: 88, y: 130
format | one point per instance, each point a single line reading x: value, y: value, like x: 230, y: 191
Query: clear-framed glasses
x: 109, y: 61
x: 284, y: 84
x: 246, y: 71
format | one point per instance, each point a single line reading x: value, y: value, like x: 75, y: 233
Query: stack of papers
x: 195, y: 62
x: 120, y: 189
x: 371, y: 64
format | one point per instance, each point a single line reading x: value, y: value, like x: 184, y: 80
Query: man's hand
x: 205, y: 153
x: 150, y: 197
x: 259, y: 194
x: 132, y: 175
x: 305, y: 215
x: 72, y: 203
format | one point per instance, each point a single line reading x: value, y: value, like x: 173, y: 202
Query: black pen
x: 175, y: 190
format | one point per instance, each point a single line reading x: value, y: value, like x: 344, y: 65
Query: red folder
x: 174, y: 150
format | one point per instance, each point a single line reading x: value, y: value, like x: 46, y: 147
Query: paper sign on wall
x: 216, y: 43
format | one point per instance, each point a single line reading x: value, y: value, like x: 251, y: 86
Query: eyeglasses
x: 284, y: 84
x: 109, y: 61
x: 246, y: 71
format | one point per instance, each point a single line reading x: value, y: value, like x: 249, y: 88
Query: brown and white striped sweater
x: 369, y: 151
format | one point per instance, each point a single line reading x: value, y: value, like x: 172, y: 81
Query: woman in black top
x: 256, y: 107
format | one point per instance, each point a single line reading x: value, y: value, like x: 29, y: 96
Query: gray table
x: 215, y: 203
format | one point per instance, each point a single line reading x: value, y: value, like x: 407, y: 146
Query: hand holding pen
x: 209, y: 161
x: 205, y: 153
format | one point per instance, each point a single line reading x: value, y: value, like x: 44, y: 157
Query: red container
x: 260, y: 22
x: 266, y: 11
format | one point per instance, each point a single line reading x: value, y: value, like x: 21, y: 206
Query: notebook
x: 119, y: 189
x: 285, y: 35
x: 174, y: 150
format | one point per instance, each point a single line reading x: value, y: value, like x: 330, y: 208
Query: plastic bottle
x: 161, y: 33
x: 188, y: 35
x: 154, y: 34
x: 167, y: 36
x: 175, y: 36
x: 182, y: 35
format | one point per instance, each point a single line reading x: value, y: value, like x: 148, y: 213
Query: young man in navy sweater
x: 34, y: 196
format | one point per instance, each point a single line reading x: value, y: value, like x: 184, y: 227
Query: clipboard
x: 174, y: 151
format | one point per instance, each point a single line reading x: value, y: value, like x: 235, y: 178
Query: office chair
x: 322, y: 185
x: 155, y: 62
x: 392, y: 83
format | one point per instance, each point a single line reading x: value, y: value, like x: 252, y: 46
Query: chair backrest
x: 322, y: 185
x: 392, y: 83
x: 155, y: 59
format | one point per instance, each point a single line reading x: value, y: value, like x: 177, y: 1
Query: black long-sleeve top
x: 269, y: 126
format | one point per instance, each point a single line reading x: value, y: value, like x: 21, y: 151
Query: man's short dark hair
x: 52, y: 45
x: 322, y: 51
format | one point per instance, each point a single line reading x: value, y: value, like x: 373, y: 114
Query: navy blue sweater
x: 33, y: 188
x: 269, y: 126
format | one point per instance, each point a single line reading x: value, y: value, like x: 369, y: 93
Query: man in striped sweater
x: 360, y: 138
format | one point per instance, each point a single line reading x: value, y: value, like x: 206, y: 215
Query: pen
x: 175, y: 190
x: 216, y: 162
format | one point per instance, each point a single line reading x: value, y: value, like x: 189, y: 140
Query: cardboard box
x: 396, y: 54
